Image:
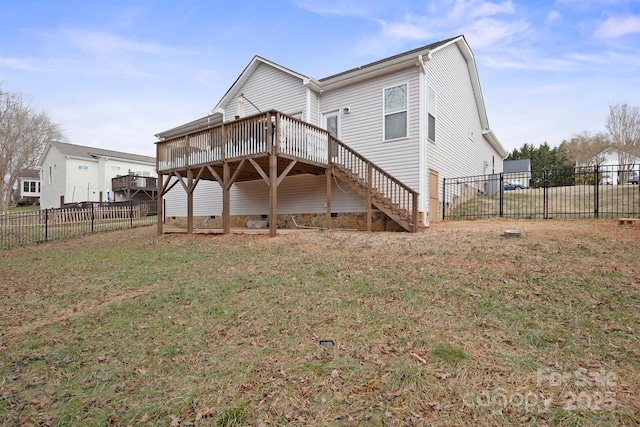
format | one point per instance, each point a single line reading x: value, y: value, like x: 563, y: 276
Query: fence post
x: 501, y: 194
x: 444, y: 200
x: 545, y: 194
x: 596, y: 191
x: 92, y: 217
x: 131, y: 213
x: 46, y: 224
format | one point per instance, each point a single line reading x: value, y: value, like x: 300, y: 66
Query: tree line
x: 586, y: 149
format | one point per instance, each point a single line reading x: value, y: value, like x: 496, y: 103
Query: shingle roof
x: 515, y: 166
x: 29, y: 173
x: 431, y: 46
x: 92, y: 152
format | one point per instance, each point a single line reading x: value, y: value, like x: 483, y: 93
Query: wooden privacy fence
x: 91, y: 213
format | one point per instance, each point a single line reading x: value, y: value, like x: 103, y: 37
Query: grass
x: 455, y: 326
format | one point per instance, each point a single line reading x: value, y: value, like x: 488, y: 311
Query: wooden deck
x: 271, y: 146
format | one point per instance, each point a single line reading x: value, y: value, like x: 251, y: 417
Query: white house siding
x: 82, y: 185
x: 296, y: 195
x: 460, y: 148
x: 314, y: 104
x: 361, y: 127
x: 269, y: 89
x: 57, y: 165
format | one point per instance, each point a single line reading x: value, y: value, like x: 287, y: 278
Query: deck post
x: 226, y: 198
x: 159, y: 204
x: 190, y: 201
x: 273, y: 193
x: 329, y: 173
x: 369, y: 178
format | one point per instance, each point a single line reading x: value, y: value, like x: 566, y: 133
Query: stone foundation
x: 351, y: 220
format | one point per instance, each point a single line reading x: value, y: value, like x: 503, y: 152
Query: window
x: 25, y: 186
x: 33, y: 186
x: 83, y: 167
x: 431, y: 115
x: 395, y: 112
x: 50, y: 174
x: 30, y: 186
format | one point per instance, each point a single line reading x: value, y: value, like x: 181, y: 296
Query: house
x: 75, y: 173
x: 366, y: 148
x: 616, y: 166
x: 517, y: 171
x: 27, y: 189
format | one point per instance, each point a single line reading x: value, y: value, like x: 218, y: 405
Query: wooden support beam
x: 190, y: 201
x: 369, y: 179
x: 286, y: 171
x: 329, y: 173
x: 273, y: 194
x: 236, y: 173
x: 258, y: 169
x: 215, y: 175
x: 160, y: 231
x: 226, y: 198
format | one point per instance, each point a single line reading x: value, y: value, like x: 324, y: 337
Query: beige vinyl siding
x: 460, y: 148
x: 269, y: 89
x: 362, y: 127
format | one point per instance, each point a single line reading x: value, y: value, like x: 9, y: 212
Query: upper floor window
x: 431, y: 115
x: 395, y: 112
x: 83, y: 167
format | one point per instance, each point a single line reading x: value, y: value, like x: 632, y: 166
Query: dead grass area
x: 458, y: 325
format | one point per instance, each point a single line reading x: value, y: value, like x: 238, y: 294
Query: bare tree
x: 623, y: 124
x: 24, y: 134
x: 585, y: 149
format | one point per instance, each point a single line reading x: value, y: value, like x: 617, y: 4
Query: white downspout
x: 422, y: 151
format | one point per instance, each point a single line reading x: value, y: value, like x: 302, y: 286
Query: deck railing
x: 278, y: 133
x: 382, y: 184
x: 134, y: 182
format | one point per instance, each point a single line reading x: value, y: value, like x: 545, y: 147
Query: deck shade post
x: 159, y: 203
x: 329, y: 174
x: 273, y: 193
x: 189, y: 201
x: 226, y: 198
x: 369, y: 178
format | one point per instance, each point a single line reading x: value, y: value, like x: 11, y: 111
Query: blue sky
x: 114, y: 73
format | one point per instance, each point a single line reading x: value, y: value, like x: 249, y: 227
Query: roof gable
x: 92, y: 153
x: 249, y: 70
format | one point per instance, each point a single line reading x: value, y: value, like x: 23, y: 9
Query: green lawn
x: 454, y: 326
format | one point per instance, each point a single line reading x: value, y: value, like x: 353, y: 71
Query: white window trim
x: 435, y: 114
x: 384, y: 113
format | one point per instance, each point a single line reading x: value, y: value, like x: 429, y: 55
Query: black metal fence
x: 18, y: 229
x: 582, y: 192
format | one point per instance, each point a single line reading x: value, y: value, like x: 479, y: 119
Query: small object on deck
x: 325, y: 342
x: 512, y: 233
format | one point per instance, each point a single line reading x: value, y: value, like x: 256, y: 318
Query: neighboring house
x: 517, y: 171
x: 615, y: 168
x: 411, y: 120
x: 74, y: 173
x: 27, y: 189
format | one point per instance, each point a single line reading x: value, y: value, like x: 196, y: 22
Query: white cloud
x: 553, y: 16
x: 339, y: 8
x: 471, y: 9
x: 618, y: 26
x: 487, y: 32
x: 409, y: 29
